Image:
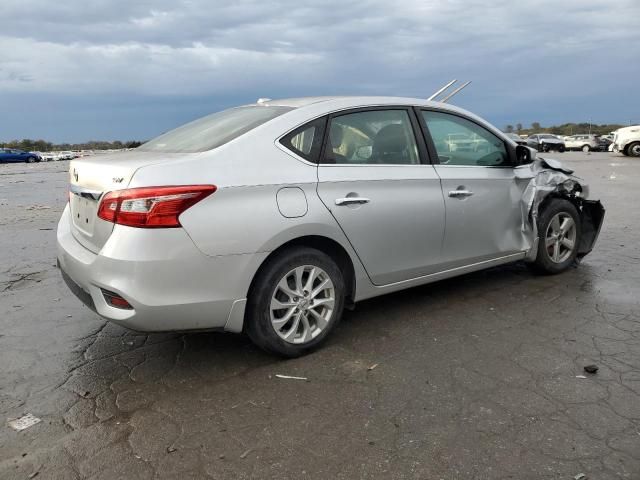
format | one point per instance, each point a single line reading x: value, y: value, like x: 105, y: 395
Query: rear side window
x: 370, y: 137
x: 213, y: 130
x: 306, y: 141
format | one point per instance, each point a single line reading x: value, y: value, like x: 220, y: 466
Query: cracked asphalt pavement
x: 476, y: 377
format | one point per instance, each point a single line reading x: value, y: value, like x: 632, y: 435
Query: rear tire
x: 295, y: 302
x: 633, y: 149
x: 561, y: 148
x: 586, y: 148
x: 559, y: 233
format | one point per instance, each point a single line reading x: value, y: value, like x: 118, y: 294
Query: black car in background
x: 545, y: 142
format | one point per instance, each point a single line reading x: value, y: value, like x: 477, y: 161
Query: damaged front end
x: 549, y: 179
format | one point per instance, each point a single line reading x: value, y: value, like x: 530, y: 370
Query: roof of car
x: 353, y: 100
x: 309, y: 107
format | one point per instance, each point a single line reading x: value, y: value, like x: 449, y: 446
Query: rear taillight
x: 151, y: 207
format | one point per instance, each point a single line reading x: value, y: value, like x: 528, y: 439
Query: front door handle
x: 460, y: 193
x: 352, y: 200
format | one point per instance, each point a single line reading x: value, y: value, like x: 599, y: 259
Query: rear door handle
x: 460, y: 193
x: 351, y: 200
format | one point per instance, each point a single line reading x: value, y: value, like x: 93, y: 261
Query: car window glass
x: 459, y: 141
x: 306, y: 141
x: 213, y: 130
x: 372, y: 137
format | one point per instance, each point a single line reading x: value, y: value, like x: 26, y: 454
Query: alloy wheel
x: 560, y: 238
x: 302, y: 304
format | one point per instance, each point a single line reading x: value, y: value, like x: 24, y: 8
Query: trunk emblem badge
x: 118, y: 179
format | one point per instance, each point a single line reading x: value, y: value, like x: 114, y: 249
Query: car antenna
x: 444, y: 89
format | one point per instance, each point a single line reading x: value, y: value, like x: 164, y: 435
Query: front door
x: 482, y: 195
x: 374, y: 179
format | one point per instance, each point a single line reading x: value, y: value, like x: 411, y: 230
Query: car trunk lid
x: 90, y: 178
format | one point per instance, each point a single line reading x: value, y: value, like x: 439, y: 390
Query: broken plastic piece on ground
x: 373, y: 366
x: 24, y: 422
x: 580, y: 376
x: 244, y: 455
x: 580, y: 476
x: 288, y: 377
x: 591, y: 368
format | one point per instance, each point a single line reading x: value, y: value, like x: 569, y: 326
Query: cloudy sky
x: 76, y: 70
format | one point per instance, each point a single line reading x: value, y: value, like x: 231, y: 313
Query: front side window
x: 371, y: 137
x: 459, y: 141
x: 213, y: 130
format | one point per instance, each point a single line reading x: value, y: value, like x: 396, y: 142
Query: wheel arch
x: 329, y: 246
x: 591, y: 214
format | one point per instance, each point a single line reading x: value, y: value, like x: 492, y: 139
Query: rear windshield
x: 213, y: 130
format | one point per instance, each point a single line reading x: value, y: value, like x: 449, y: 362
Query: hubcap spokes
x: 302, y: 304
x: 560, y: 238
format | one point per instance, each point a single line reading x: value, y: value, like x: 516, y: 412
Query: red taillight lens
x: 116, y: 300
x: 151, y: 207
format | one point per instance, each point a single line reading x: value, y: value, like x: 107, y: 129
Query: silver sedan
x: 271, y: 218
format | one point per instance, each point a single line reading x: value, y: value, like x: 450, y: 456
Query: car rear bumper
x: 170, y: 284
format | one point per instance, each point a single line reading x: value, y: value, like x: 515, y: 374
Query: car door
x: 17, y: 156
x: 482, y: 195
x: 10, y: 155
x: 375, y: 179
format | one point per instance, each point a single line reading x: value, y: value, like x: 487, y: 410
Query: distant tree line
x: 565, y: 129
x: 44, y: 146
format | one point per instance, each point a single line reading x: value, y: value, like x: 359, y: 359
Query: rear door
x: 375, y: 179
x: 481, y: 193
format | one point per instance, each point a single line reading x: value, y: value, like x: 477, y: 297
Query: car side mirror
x: 523, y: 155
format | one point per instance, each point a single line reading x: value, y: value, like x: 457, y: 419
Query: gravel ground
x: 475, y: 377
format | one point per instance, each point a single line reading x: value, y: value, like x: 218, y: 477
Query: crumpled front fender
x: 550, y: 178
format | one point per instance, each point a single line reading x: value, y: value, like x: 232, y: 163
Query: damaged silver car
x: 272, y: 218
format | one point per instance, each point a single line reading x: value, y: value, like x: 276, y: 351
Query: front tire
x: 559, y: 233
x: 633, y: 149
x: 295, y: 302
x: 586, y: 148
x: 31, y: 159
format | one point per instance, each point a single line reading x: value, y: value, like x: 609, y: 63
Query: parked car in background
x: 13, y: 155
x: 545, y: 142
x: 517, y: 138
x: 67, y: 155
x: 627, y: 141
x: 584, y: 142
x: 605, y: 141
x: 271, y: 218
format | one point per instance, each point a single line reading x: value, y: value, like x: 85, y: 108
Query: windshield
x: 553, y: 137
x: 213, y: 130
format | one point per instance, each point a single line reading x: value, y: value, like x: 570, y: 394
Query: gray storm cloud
x: 514, y: 51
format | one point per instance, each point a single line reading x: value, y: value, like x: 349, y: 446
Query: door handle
x: 460, y: 193
x: 352, y: 200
